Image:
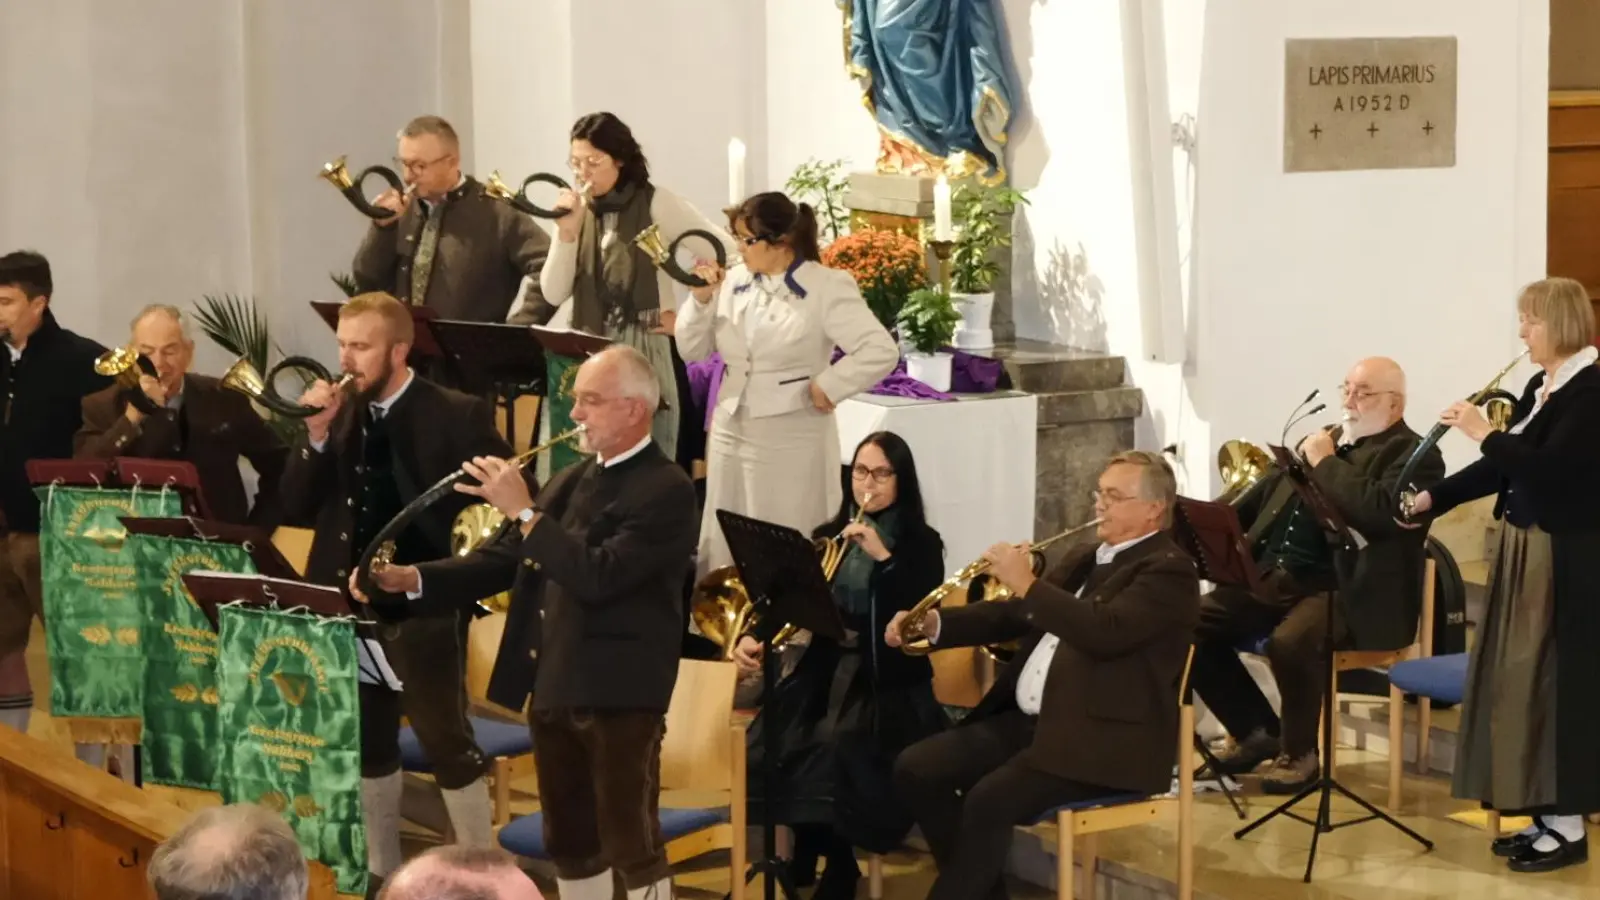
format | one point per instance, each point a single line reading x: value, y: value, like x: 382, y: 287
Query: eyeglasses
x: 416, y: 166
x: 880, y: 474
x: 578, y: 164
x: 1360, y: 394
x: 1111, y: 498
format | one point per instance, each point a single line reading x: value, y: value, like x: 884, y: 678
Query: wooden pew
x: 71, y: 832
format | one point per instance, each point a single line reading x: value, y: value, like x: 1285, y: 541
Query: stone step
x: 1101, y: 405
x: 1041, y: 368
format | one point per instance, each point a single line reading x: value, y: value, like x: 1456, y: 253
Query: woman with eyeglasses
x: 613, y: 289
x: 850, y: 707
x: 773, y: 449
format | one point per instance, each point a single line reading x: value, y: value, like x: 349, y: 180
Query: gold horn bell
x: 122, y: 365
x: 472, y: 528
x: 1242, y: 465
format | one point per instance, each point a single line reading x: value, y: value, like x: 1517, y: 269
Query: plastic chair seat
x: 525, y: 835
x: 1435, y: 677
x: 495, y: 738
x: 1255, y: 645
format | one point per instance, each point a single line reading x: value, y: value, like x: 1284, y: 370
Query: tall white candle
x: 735, y: 172
x: 942, y: 230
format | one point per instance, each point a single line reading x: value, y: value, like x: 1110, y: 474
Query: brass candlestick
x: 941, y: 252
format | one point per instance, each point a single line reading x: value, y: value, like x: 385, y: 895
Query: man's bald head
x: 1373, y: 396
x: 241, y: 850
x: 454, y: 872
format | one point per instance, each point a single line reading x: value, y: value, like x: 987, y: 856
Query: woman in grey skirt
x: 1530, y: 737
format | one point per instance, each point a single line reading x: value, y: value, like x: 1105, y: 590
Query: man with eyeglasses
x: 447, y: 246
x: 1357, y: 466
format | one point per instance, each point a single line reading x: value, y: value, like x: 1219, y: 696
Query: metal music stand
x: 506, y: 361
x: 1343, y: 540
x: 1210, y: 533
x: 779, y: 568
x: 254, y: 541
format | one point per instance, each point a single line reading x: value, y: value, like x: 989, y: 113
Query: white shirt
x: 626, y: 455
x: 1030, y: 683
x: 379, y: 409
x: 1574, y: 364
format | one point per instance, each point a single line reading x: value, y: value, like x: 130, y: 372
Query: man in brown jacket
x: 199, y: 421
x: 1089, y: 706
x: 447, y: 246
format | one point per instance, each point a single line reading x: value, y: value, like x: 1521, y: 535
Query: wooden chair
x: 702, y: 757
x: 1077, y: 824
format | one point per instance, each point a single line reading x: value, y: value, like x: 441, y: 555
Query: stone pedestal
x: 904, y: 203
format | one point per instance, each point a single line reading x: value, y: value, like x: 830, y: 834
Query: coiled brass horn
x: 975, y: 582
x: 338, y: 175
x: 125, y: 365
x: 665, y: 255
x: 380, y: 551
x: 1242, y: 465
x: 497, y: 189
x: 1498, y: 407
x: 243, y: 377
x: 474, y: 527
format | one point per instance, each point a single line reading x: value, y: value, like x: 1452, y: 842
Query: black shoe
x: 1255, y: 749
x: 1513, y: 844
x: 1566, y: 853
x: 802, y: 869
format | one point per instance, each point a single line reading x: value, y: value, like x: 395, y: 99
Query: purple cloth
x: 969, y: 374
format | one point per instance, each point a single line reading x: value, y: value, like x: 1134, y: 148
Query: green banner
x: 180, y: 676
x: 290, y: 727
x: 93, y: 613
x: 560, y: 372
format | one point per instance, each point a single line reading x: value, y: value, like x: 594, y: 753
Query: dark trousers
x: 430, y: 656
x: 599, y: 784
x: 1296, y: 649
x: 968, y: 792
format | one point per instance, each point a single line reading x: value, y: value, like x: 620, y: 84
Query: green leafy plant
x: 928, y: 320
x: 982, y: 216
x: 346, y: 283
x: 823, y: 185
x: 237, y: 326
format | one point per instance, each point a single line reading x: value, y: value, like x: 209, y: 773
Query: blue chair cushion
x: 1049, y: 816
x: 1255, y: 645
x: 1435, y: 677
x: 495, y: 738
x: 524, y: 836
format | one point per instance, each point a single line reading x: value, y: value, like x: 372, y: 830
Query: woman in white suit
x: 773, y: 450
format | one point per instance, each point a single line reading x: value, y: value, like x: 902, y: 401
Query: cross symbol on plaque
x: 1372, y: 129
x: 1427, y: 128
x: 1316, y: 132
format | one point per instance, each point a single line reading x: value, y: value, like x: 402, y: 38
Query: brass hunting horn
x: 497, y: 189
x: 338, y: 175
x: 1498, y: 406
x: 125, y: 365
x: 243, y: 377
x: 665, y: 255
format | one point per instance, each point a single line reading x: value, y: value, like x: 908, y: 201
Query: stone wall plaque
x: 1369, y: 103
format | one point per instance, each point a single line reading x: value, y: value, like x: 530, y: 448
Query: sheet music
x: 371, y: 659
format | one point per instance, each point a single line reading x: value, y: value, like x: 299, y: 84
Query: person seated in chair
x: 1088, y: 707
x: 1357, y: 466
x: 848, y: 708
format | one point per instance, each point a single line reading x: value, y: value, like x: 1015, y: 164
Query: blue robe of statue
x: 934, y: 76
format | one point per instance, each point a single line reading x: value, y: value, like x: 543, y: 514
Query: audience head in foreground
x: 1135, y: 496
x: 456, y: 872
x: 239, y: 852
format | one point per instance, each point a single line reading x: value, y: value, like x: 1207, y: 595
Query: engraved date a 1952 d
x: 1372, y: 103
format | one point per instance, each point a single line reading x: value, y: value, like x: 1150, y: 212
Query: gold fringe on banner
x: 105, y: 731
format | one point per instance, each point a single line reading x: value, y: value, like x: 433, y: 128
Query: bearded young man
x: 363, y: 459
x: 1379, y: 587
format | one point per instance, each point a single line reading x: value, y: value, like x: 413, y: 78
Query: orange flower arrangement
x: 887, y: 266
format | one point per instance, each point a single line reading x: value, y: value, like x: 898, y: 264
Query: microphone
x: 1291, y: 421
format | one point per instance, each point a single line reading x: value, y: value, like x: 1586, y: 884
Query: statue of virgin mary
x: 933, y: 73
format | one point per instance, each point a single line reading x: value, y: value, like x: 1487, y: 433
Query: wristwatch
x: 527, y: 515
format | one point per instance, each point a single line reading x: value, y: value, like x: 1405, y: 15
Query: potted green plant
x: 982, y: 216
x: 927, y: 323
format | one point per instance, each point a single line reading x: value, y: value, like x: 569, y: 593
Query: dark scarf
x: 615, y: 285
x: 852, y: 584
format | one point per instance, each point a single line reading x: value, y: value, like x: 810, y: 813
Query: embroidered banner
x: 93, y: 613
x: 290, y: 728
x: 180, y: 677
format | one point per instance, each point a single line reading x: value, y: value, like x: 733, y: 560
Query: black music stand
x: 779, y: 568
x: 269, y: 562
x: 1211, y: 534
x: 505, y: 361
x: 1343, y: 541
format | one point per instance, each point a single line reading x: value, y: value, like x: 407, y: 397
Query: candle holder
x: 941, y: 252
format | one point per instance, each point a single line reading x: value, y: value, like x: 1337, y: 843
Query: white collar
x: 625, y: 455
x: 382, y: 406
x: 1105, y: 553
x: 459, y: 182
x: 1574, y: 364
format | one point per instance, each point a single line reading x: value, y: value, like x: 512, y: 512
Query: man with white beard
x: 1379, y: 587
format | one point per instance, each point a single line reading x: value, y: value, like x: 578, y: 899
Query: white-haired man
x: 241, y: 851
x: 596, y: 568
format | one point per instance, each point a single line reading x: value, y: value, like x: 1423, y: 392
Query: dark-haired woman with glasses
x: 850, y: 707
x: 612, y: 287
x: 773, y: 449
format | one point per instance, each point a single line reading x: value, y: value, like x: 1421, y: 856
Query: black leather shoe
x: 1247, y: 754
x: 1513, y: 844
x: 1566, y: 853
